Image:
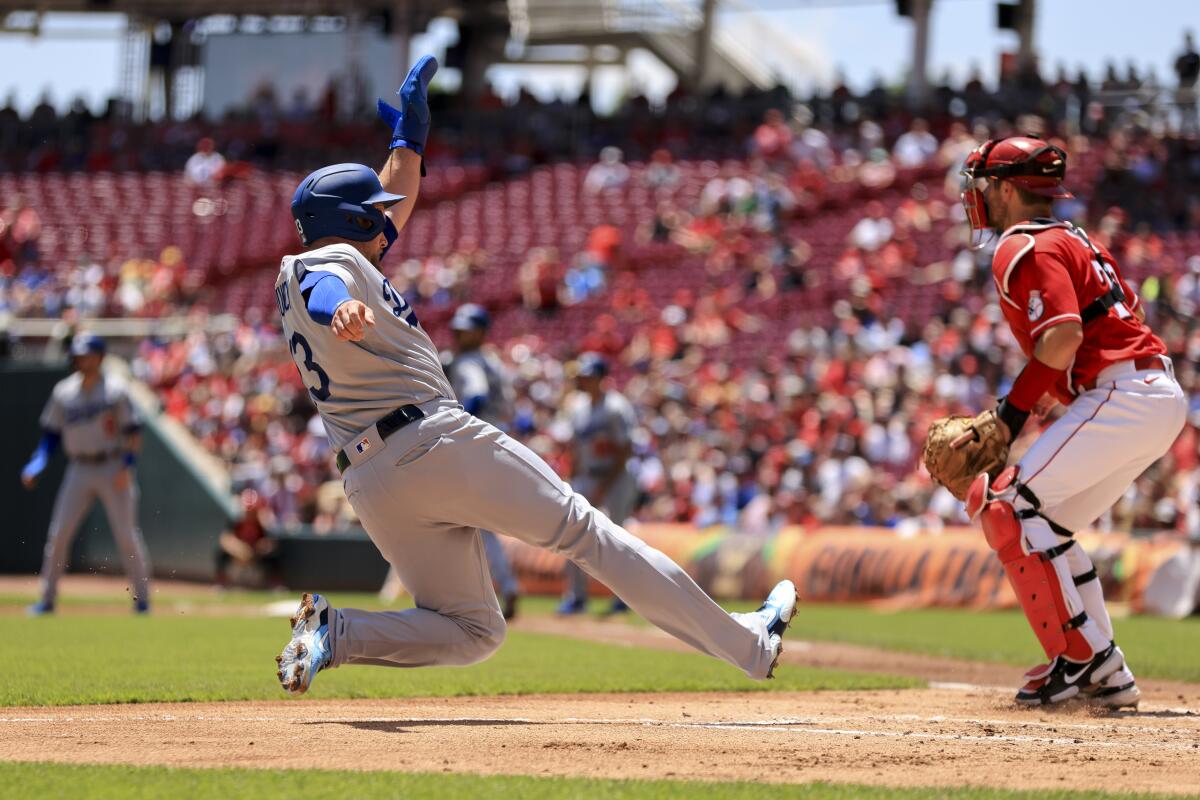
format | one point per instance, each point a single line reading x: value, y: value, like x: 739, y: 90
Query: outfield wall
x: 953, y: 567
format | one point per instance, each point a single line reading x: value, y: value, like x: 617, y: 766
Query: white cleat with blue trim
x: 778, y: 611
x: 309, y: 650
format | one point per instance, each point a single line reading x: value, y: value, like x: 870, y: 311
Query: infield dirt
x: 941, y: 737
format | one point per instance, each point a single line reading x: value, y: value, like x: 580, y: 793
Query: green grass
x: 201, y: 595
x: 124, y: 782
x: 125, y: 659
x: 1155, y: 647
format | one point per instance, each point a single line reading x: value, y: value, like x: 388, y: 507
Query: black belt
x: 93, y: 458
x: 387, y: 425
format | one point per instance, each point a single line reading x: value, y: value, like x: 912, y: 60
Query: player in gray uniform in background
x: 423, y: 475
x: 484, y: 388
x: 90, y: 414
x: 602, y: 422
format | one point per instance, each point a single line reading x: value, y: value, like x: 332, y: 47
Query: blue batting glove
x: 410, y: 123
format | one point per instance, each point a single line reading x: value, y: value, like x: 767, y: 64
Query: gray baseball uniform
x: 424, y: 492
x: 474, y: 373
x: 602, y: 431
x: 93, y: 425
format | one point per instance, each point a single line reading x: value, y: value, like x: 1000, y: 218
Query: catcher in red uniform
x: 1082, y: 328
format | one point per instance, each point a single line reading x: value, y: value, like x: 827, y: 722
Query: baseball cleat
x: 1118, y: 690
x: 778, y: 611
x: 1062, y: 679
x: 40, y: 609
x: 571, y: 605
x: 308, y: 652
x: 141, y: 607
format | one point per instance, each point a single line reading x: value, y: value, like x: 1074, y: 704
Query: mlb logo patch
x: 363, y: 446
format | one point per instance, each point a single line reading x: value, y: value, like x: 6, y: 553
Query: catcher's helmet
x: 1032, y: 164
x: 470, y: 317
x: 86, y: 343
x: 341, y: 200
x: 592, y: 365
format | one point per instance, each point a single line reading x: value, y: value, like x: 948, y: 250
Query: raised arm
x: 402, y: 175
x: 410, y: 131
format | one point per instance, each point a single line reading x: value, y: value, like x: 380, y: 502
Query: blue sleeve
x: 46, y: 448
x: 472, y: 404
x: 323, y: 293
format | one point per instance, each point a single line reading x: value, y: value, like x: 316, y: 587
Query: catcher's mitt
x: 957, y: 469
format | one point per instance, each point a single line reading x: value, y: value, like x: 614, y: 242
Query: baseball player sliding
x: 424, y: 475
x: 90, y: 415
x: 1082, y: 329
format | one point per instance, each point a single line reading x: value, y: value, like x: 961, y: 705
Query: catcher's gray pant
x: 1086, y: 460
x: 81, y: 485
x: 617, y: 504
x: 424, y: 493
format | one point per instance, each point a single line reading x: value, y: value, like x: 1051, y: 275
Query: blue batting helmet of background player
x: 86, y: 343
x: 470, y: 317
x: 592, y: 365
x: 341, y: 200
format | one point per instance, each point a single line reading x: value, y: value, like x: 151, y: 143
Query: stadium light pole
x: 1026, y: 56
x: 703, y: 44
x: 918, y: 77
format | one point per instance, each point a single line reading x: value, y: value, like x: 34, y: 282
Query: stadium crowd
x: 741, y: 421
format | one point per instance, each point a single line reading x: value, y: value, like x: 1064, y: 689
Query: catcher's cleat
x: 1063, y: 679
x: 309, y: 651
x: 1118, y: 690
x: 778, y: 610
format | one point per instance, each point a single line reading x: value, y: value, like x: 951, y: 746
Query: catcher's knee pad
x: 1036, y: 583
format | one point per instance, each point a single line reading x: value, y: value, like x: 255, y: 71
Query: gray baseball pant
x: 424, y: 493
x: 82, y: 484
x: 617, y: 504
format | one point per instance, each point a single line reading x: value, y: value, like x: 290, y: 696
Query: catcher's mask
x: 1032, y: 164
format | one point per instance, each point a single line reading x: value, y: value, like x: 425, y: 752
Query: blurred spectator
x: 874, y: 230
x: 773, y: 138
x: 661, y: 172
x: 247, y: 556
x: 610, y: 172
x: 540, y: 278
x: 206, y: 164
x: 915, y: 147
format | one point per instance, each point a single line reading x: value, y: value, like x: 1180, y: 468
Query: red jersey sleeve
x: 1041, y: 286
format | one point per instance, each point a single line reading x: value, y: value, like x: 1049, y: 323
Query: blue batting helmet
x: 340, y: 200
x: 470, y: 317
x: 592, y: 365
x: 85, y: 343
